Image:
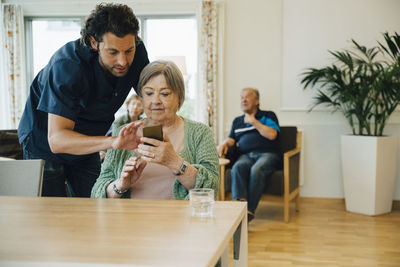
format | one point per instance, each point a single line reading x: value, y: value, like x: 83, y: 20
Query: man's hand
x: 63, y: 139
x: 223, y: 148
x: 264, y: 130
x: 128, y: 138
x: 250, y: 118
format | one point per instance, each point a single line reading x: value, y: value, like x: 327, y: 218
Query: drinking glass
x: 202, y: 202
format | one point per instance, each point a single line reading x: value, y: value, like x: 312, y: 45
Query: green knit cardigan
x: 199, y: 150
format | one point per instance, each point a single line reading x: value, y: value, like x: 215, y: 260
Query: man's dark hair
x: 115, y: 18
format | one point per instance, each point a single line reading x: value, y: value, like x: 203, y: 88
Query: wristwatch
x: 182, y: 169
x: 119, y: 192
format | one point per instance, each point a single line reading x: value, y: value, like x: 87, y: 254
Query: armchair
x: 283, y: 182
x: 9, y: 145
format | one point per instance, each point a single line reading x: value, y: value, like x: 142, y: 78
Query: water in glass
x: 202, y: 202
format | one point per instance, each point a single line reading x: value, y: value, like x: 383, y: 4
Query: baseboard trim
x: 395, y: 206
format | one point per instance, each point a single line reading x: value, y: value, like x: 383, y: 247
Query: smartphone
x: 154, y: 131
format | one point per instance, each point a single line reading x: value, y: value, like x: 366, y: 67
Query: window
x: 166, y: 37
x: 175, y: 39
x: 44, y: 36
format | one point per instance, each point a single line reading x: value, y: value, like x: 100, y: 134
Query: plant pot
x: 369, y: 166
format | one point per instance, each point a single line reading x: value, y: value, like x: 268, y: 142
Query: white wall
x: 253, y: 57
x: 312, y: 27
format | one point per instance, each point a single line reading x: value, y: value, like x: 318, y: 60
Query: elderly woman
x: 134, y: 109
x: 187, y: 157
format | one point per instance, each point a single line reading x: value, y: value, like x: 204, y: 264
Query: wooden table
x: 87, y: 232
x: 222, y: 163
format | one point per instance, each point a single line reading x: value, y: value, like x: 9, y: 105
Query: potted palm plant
x: 364, y: 84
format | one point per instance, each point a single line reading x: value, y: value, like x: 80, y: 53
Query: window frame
x: 28, y: 20
x: 143, y: 18
x: 143, y: 32
x: 29, y: 37
x: 29, y: 40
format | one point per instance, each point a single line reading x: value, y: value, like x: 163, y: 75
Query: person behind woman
x: 134, y: 110
x: 186, y: 159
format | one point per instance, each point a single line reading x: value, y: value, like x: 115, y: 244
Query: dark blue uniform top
x: 73, y: 85
x: 249, y: 139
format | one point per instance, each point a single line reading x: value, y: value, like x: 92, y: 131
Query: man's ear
x: 93, y: 43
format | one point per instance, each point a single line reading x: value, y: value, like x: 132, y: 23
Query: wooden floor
x: 322, y: 234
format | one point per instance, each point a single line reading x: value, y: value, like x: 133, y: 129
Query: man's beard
x: 110, y: 69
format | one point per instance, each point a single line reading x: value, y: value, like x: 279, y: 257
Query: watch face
x: 183, y: 167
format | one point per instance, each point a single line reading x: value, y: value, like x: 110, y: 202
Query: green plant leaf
x: 359, y: 83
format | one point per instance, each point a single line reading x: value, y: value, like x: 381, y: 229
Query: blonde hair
x: 131, y: 98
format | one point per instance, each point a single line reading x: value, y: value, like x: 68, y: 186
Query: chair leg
x: 286, y: 206
x: 298, y: 203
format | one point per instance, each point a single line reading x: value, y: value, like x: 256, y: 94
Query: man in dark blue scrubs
x: 73, y: 99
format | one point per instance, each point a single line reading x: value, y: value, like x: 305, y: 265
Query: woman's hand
x: 162, y: 152
x: 131, y: 172
x: 128, y: 138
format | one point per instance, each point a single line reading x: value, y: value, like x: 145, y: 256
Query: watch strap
x: 118, y: 191
x: 182, y: 169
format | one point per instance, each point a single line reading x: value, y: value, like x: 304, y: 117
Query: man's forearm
x: 229, y: 142
x: 71, y: 142
x: 266, y: 131
x: 223, y: 148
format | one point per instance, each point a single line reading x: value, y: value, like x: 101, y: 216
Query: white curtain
x: 208, y: 61
x: 12, y: 71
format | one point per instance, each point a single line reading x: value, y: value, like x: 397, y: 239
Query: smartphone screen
x: 154, y: 131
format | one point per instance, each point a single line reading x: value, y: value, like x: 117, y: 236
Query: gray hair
x: 255, y: 91
x: 171, y: 73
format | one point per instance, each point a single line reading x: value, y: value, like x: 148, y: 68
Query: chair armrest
x: 291, y: 169
x: 292, y: 152
x: 9, y: 144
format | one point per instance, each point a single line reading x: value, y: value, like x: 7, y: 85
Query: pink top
x: 156, y: 182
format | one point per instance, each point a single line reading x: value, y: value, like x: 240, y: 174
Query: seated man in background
x: 256, y: 135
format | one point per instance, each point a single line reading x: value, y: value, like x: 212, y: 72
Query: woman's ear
x: 93, y: 43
